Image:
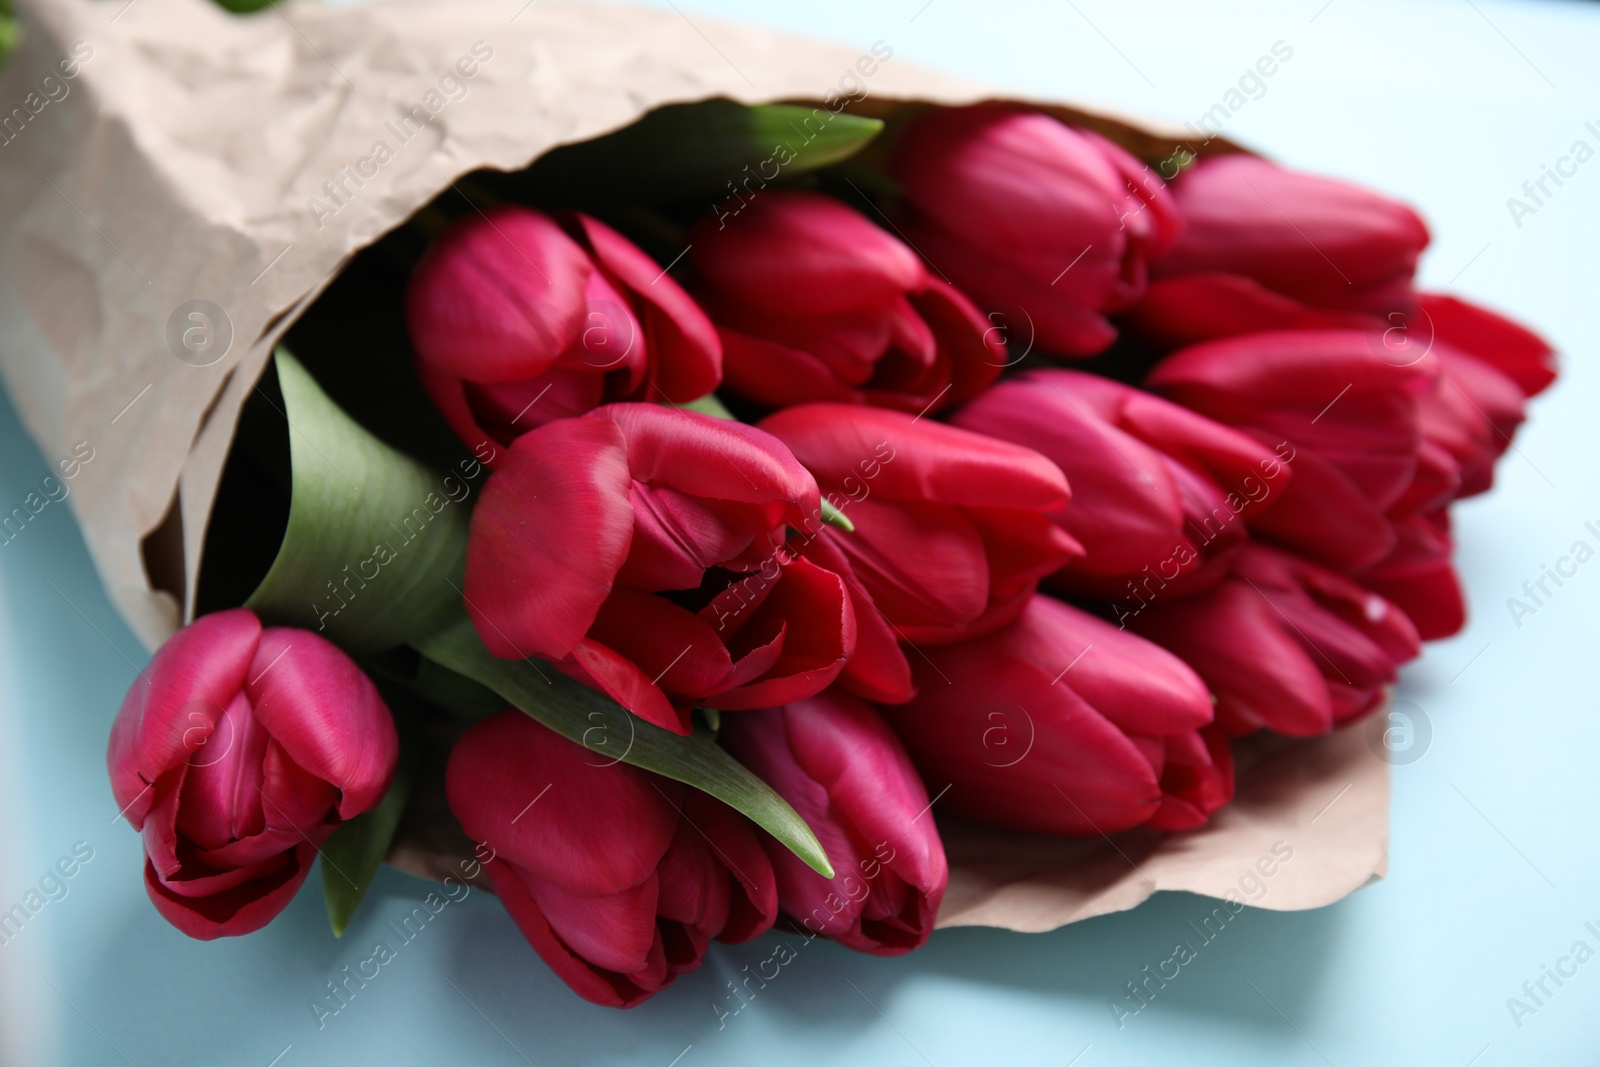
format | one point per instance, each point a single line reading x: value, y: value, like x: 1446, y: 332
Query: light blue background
x: 1450, y: 105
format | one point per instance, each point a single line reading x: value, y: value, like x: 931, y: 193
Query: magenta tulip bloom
x: 642, y: 550
x: 617, y: 877
x: 1512, y: 349
x: 952, y: 533
x: 1048, y: 225
x: 1471, y: 416
x: 814, y: 302
x: 1064, y: 724
x: 840, y: 766
x: 1341, y: 412
x: 518, y: 319
x: 1159, y: 493
x: 1418, y: 577
x: 236, y: 754
x: 1285, y: 645
x: 1318, y: 241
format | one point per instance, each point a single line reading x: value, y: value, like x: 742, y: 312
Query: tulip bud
x: 1063, y: 724
x: 237, y: 753
x: 1158, y: 492
x: 814, y: 302
x: 643, y: 550
x: 617, y: 877
x: 952, y: 529
x: 1417, y: 576
x: 1344, y: 417
x: 519, y: 319
x: 1321, y: 242
x: 1285, y: 645
x: 1513, y: 350
x: 1045, y: 225
x: 839, y: 765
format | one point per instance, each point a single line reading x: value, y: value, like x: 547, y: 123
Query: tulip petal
x: 538, y: 799
x: 550, y: 532
x: 241, y: 910
x: 326, y: 714
x: 173, y: 709
x: 602, y: 987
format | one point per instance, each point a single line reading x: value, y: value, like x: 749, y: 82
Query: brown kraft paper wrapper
x: 162, y: 152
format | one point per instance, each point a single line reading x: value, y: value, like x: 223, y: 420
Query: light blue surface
x: 1450, y: 105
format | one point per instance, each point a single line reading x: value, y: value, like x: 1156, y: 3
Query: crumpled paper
x: 178, y: 184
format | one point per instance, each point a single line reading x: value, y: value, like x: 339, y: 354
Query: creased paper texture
x: 198, y: 171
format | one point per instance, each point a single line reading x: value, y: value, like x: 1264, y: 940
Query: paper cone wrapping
x: 162, y: 152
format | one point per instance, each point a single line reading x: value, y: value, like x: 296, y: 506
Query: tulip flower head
x: 1285, y: 644
x: 519, y: 318
x: 814, y: 302
x: 953, y: 530
x: 237, y: 753
x: 617, y: 877
x: 1064, y: 724
x: 1159, y: 493
x: 642, y: 550
x: 1344, y: 418
x: 1048, y: 226
x: 839, y: 765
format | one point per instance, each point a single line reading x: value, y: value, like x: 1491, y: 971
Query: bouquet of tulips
x: 704, y: 553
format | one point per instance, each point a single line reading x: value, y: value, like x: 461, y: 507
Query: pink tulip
x: 814, y: 302
x: 840, y: 766
x: 518, y: 318
x: 952, y: 529
x: 1342, y: 412
x: 1512, y: 349
x: 1064, y: 724
x: 237, y: 753
x: 1417, y: 576
x: 617, y: 877
x: 1284, y: 644
x: 1318, y: 241
x: 642, y: 550
x: 1047, y: 225
x: 1158, y: 492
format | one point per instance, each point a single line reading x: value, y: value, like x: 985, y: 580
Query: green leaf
x: 603, y: 726
x: 700, y: 149
x: 352, y: 856
x: 376, y: 543
x: 836, y: 518
x: 710, y: 404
